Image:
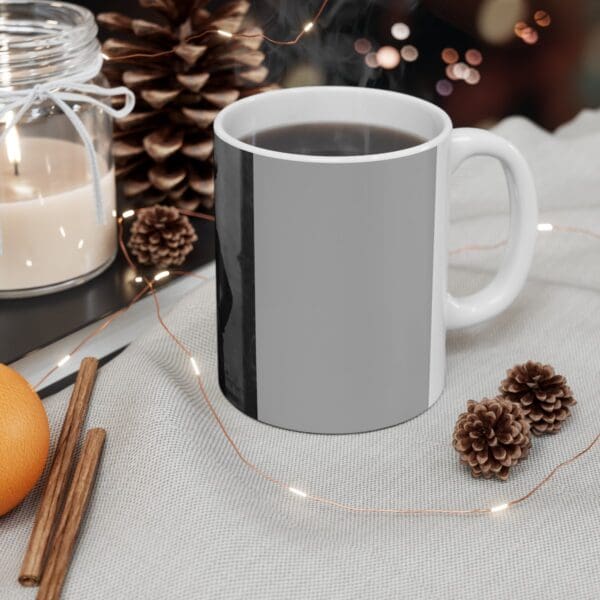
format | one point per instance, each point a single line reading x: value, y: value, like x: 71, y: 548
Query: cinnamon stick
x: 58, y: 478
x: 70, y: 521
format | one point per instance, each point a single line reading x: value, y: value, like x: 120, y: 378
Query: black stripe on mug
x: 235, y: 276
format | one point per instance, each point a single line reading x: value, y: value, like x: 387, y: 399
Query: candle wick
x: 16, y: 167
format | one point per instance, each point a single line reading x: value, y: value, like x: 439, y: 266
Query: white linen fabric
x: 175, y: 515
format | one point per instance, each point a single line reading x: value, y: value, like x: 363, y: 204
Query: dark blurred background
x: 479, y: 59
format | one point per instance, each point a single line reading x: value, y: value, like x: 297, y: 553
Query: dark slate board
x: 32, y: 323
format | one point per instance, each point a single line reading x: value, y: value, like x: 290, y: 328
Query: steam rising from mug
x: 327, y: 55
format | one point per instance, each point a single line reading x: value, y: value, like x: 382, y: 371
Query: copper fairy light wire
x: 208, y: 402
x: 92, y: 335
x: 124, y: 248
x: 189, y: 274
x: 569, y: 229
x: 198, y: 215
x: 228, y: 34
x: 551, y: 474
x: 542, y: 227
x: 335, y: 503
x: 477, y: 247
x: 138, y: 296
x: 150, y: 287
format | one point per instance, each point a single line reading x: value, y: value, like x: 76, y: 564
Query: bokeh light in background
x: 457, y: 70
x: 460, y: 70
x: 449, y: 55
x: 473, y: 57
x: 409, y: 53
x: 444, y: 87
x: 371, y: 60
x: 400, y: 31
x: 450, y: 72
x: 388, y: 57
x: 542, y: 18
x: 473, y: 77
x: 529, y: 35
x: 479, y: 59
x: 519, y: 28
x: 496, y: 18
x: 362, y: 45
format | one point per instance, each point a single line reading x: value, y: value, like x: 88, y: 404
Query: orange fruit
x: 24, y: 438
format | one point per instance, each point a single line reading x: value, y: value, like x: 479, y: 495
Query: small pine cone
x: 491, y: 437
x: 161, y: 236
x: 543, y: 395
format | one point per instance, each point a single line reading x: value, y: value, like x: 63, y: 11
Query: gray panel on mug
x: 343, y: 280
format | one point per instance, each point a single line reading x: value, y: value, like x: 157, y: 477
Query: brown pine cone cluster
x: 491, y: 437
x: 161, y: 236
x: 163, y: 150
x: 543, y: 395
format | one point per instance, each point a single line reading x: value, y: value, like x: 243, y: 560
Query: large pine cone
x: 161, y: 236
x: 491, y: 437
x: 543, y: 395
x: 163, y: 150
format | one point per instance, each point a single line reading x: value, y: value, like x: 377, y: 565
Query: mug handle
x: 506, y: 285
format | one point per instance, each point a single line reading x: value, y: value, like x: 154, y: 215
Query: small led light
x: 545, y: 227
x: 138, y: 279
x: 224, y: 33
x: 114, y: 212
x: 105, y: 56
x: 161, y: 275
x: 195, y: 365
x: 298, y: 492
x: 309, y: 26
x: 128, y: 213
x: 63, y: 361
x: 499, y: 508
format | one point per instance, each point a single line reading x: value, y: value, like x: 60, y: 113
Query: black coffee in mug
x: 333, y: 139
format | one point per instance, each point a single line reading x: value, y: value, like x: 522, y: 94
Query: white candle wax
x: 48, y: 215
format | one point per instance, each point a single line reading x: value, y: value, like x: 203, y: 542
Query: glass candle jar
x: 57, y: 179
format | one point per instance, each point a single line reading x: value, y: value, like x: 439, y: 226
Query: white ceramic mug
x: 331, y: 270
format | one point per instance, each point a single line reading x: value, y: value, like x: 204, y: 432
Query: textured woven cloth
x: 175, y: 515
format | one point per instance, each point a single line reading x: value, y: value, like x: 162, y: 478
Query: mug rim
x: 221, y: 132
